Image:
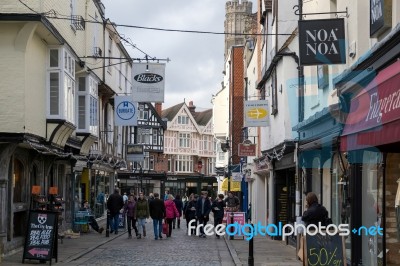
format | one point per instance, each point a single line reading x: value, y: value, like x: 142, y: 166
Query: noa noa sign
x: 322, y: 42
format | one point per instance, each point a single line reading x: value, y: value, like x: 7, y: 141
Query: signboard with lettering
x: 135, y: 152
x: 324, y: 250
x: 322, y: 42
x: 247, y: 149
x: 148, y: 82
x: 256, y: 113
x: 121, y: 220
x: 41, y: 236
x: 125, y: 111
x: 380, y: 16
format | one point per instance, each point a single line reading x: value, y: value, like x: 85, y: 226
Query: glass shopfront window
x: 371, y: 213
x: 392, y: 208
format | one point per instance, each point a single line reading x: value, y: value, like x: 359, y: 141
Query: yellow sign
x: 257, y: 113
x: 235, y: 185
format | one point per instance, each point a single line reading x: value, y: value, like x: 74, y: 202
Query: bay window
x: 87, y: 105
x: 61, y: 85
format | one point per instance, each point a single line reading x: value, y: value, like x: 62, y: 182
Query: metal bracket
x: 296, y: 12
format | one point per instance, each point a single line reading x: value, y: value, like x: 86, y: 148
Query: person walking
x: 157, y: 213
x: 315, y: 212
x: 115, y: 203
x: 218, y: 210
x: 92, y: 221
x: 170, y: 212
x: 232, y: 202
x: 190, y: 212
x: 179, y: 206
x: 203, y: 208
x: 125, y: 197
x: 142, y: 213
x: 129, y: 210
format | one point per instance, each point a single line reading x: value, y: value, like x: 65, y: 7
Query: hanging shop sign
x: 148, y: 82
x: 135, y: 152
x: 322, y: 42
x: 256, y: 114
x: 380, y: 16
x: 125, y: 111
x: 246, y: 149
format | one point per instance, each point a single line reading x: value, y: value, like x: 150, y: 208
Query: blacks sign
x: 324, y: 250
x: 322, y: 42
x: 41, y: 236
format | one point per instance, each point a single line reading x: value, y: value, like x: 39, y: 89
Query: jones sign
x: 322, y: 42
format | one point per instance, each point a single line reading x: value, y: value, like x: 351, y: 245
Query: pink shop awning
x: 374, y: 117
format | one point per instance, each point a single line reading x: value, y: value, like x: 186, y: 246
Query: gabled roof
x: 172, y: 111
x: 159, y: 119
x: 202, y: 118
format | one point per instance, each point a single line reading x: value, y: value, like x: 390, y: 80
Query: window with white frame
x: 184, y: 163
x: 183, y: 120
x: 211, y: 165
x: 184, y: 140
x: 143, y: 136
x: 221, y: 156
x: 143, y: 114
x: 205, y: 143
x: 61, y: 85
x: 87, y: 112
x: 155, y: 138
x: 110, y: 124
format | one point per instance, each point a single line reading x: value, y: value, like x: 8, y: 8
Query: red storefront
x: 370, y: 143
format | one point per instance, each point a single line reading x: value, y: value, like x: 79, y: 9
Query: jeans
x: 157, y: 227
x: 202, y: 220
x: 114, y: 221
x: 141, y: 224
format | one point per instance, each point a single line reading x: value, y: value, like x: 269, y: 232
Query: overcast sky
x: 197, y: 60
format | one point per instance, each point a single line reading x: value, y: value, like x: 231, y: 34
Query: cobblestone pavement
x: 180, y: 249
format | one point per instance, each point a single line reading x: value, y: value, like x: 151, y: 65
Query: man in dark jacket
x: 315, y: 212
x: 114, y: 204
x: 203, y: 208
x: 157, y: 213
x: 218, y: 210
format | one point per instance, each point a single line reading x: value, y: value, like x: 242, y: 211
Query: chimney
x: 191, y: 107
x: 158, y: 107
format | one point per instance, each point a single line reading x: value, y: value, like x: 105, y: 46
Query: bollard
x: 108, y: 224
x: 231, y: 236
x: 251, y: 250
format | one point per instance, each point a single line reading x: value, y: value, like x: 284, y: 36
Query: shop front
x: 371, y: 139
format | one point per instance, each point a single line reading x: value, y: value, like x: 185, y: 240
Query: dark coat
x: 314, y: 214
x: 179, y: 206
x: 220, y: 205
x: 207, y: 207
x: 115, y: 203
x: 189, y: 213
x: 157, y: 209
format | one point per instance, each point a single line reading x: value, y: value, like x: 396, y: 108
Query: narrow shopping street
x: 180, y: 249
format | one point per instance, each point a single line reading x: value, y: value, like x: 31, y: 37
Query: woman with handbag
x: 170, y: 212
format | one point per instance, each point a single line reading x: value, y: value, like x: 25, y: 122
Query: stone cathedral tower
x: 238, y: 19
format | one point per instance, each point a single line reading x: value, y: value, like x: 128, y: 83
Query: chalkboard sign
x: 41, y: 236
x: 324, y: 250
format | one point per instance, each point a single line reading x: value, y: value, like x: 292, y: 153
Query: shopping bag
x: 165, y: 228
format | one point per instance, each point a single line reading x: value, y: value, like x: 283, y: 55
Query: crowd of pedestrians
x: 166, y: 212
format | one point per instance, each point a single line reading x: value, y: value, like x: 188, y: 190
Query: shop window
x: 371, y: 213
x: 18, y: 181
x: 392, y: 208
